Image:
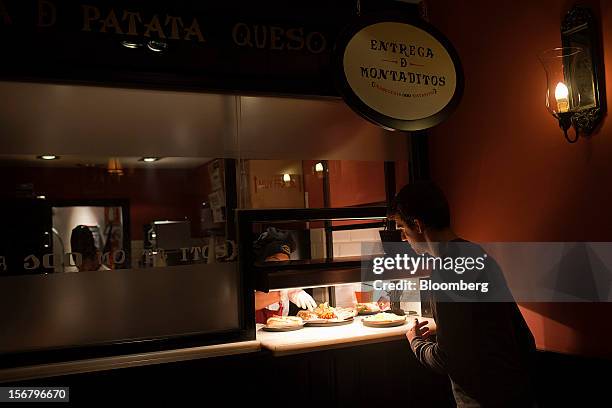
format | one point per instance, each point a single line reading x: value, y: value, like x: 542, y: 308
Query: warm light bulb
x: 150, y: 159
x: 286, y: 178
x: 561, y: 91
x: 319, y: 167
x: 561, y: 94
x: 48, y: 157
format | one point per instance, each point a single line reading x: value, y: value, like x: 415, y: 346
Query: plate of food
x: 365, y: 309
x: 325, y: 315
x: 283, y: 324
x: 384, y: 319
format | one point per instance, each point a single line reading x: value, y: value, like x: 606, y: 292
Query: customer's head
x: 273, y: 246
x: 82, y: 242
x: 418, y: 209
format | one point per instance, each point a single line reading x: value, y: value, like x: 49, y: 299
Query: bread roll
x: 284, y: 321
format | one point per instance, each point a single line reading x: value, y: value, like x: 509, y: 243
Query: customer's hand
x: 301, y: 299
x: 417, y: 329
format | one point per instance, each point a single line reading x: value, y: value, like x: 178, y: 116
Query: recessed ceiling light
x: 47, y: 157
x: 157, y: 46
x: 150, y: 159
x: 130, y: 44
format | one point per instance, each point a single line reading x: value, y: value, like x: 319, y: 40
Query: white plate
x: 391, y: 322
x: 384, y: 323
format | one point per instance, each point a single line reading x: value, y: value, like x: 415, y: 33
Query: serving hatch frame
x: 296, y: 273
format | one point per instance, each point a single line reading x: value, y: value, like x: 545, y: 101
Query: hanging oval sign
x: 400, y: 73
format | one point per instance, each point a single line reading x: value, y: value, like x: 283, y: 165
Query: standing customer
x: 482, y: 341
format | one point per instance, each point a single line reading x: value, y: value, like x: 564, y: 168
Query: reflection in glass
x: 89, y: 238
x: 83, y: 214
x: 158, y: 213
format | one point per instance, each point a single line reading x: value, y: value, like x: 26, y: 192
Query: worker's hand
x: 417, y: 329
x: 301, y: 299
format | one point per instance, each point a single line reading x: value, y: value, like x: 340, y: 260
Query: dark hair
x: 82, y: 241
x: 273, y: 242
x: 422, y: 200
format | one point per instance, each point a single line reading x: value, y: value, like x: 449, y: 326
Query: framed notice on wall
x: 398, y: 72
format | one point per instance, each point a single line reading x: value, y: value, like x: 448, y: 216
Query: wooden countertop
x: 321, y: 338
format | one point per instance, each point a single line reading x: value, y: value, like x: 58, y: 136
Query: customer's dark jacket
x: 482, y: 341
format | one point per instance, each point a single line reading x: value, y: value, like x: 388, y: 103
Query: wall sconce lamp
x: 575, y: 91
x: 319, y: 169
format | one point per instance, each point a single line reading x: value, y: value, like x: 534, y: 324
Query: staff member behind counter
x: 276, y: 246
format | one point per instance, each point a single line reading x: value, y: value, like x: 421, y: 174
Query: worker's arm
x: 263, y: 300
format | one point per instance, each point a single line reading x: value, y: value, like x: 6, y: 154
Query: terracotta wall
x: 351, y: 182
x: 267, y: 189
x: 502, y: 159
x: 356, y: 182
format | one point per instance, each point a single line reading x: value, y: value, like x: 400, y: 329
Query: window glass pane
x: 98, y: 249
x: 105, y: 246
x: 79, y: 213
x: 273, y: 184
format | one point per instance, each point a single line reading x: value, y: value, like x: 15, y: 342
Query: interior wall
x: 503, y: 162
x: 313, y: 183
x: 356, y: 182
x: 352, y: 182
x: 267, y: 189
